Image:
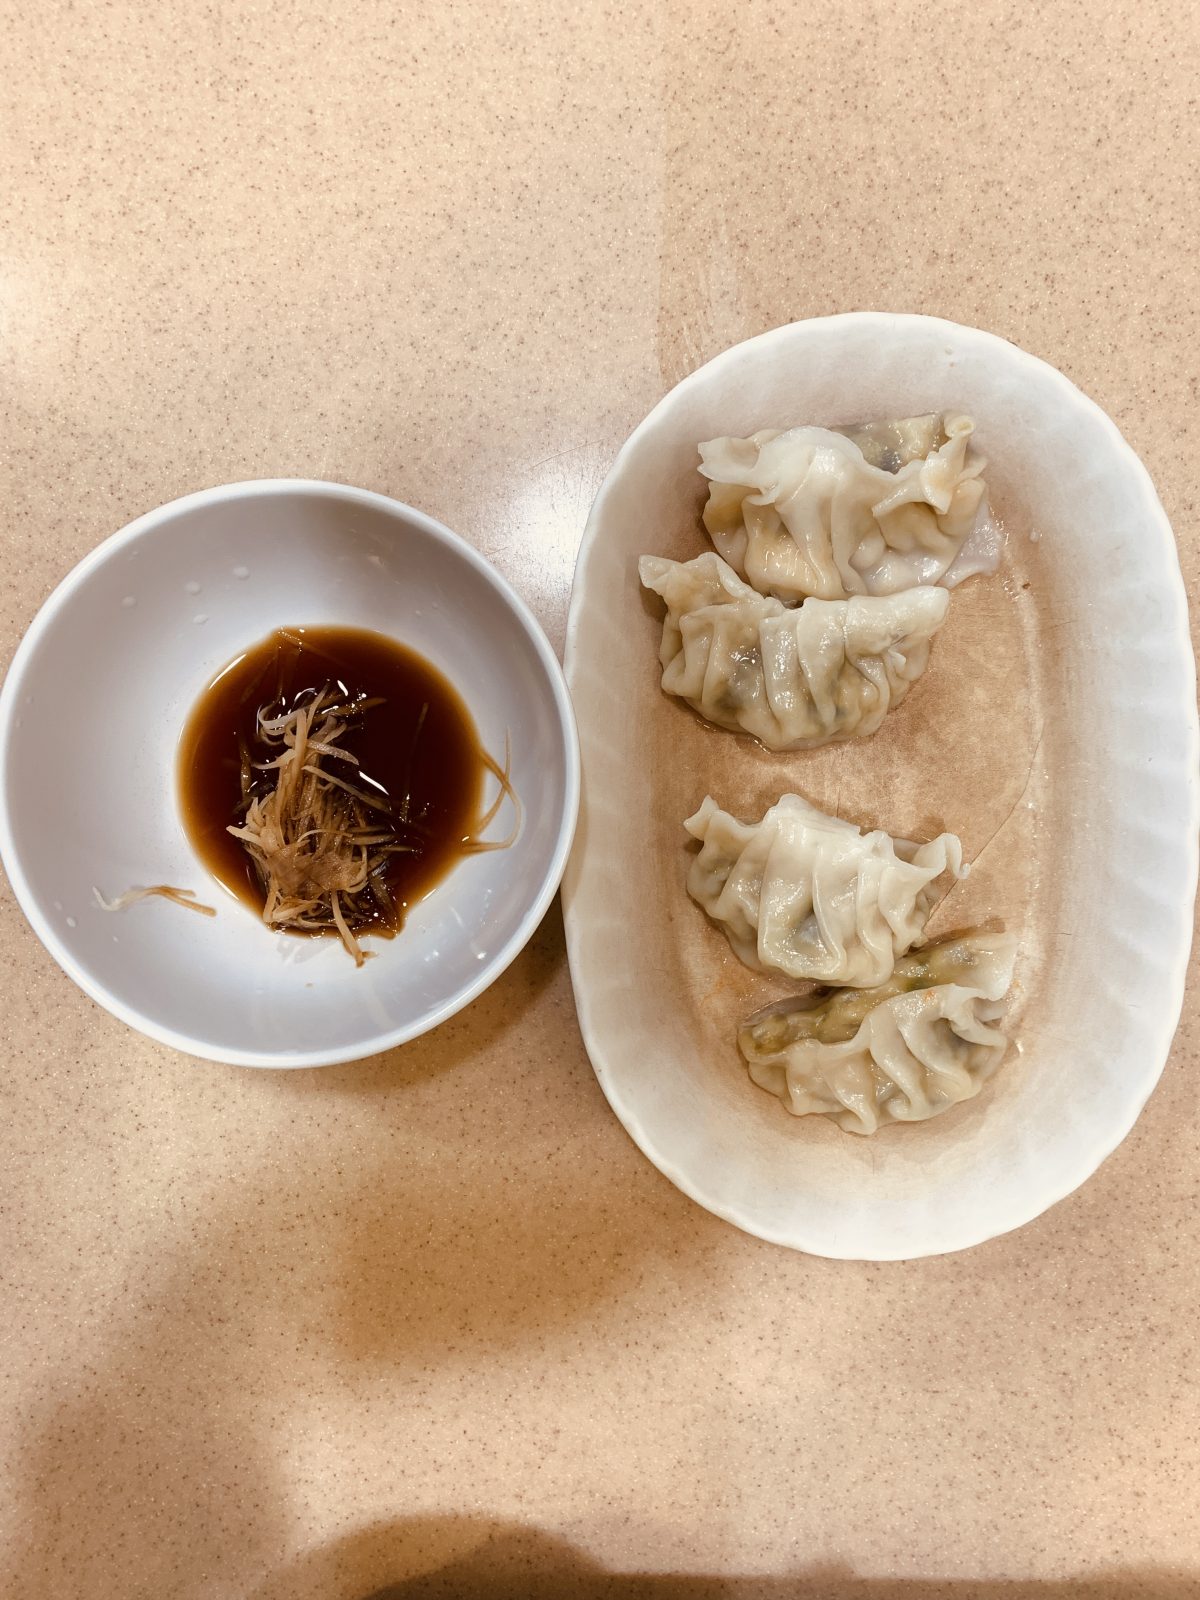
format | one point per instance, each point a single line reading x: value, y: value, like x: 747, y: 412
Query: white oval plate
x: 1055, y: 731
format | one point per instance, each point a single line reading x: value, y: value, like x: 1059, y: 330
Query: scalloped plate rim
x: 1164, y: 1031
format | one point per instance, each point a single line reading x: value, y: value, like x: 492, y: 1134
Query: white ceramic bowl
x: 90, y: 716
x: 1055, y: 730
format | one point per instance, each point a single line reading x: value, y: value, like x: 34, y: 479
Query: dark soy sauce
x: 420, y: 743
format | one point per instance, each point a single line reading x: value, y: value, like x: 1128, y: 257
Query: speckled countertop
x: 430, y: 1324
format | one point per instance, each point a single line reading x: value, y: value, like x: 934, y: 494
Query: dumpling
x: 904, y: 1052
x: 807, y: 512
x: 794, y: 678
x: 812, y: 895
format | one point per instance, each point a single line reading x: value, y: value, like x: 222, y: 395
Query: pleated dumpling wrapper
x: 794, y: 678
x: 921, y: 1043
x: 813, y: 896
x: 808, y: 511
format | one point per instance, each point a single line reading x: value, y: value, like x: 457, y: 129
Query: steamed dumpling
x: 795, y: 679
x: 909, y: 1050
x: 807, y: 512
x: 812, y: 896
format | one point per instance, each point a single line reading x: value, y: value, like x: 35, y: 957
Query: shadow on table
x: 435, y: 1558
x: 146, y: 1457
x: 475, y: 1225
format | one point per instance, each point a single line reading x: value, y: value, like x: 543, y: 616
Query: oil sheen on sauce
x: 419, y: 747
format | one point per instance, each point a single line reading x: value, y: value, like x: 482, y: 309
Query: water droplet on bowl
x: 201, y: 616
x: 241, y: 572
x: 192, y: 586
x: 71, y: 923
x: 58, y: 905
x: 129, y: 600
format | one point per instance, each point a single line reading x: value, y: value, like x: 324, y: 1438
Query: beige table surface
x: 430, y: 1323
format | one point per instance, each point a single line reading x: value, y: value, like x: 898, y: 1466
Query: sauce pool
x: 419, y: 747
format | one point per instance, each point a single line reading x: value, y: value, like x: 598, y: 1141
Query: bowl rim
x: 250, y: 489
x: 883, y: 323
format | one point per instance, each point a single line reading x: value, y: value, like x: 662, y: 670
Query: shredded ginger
x: 319, y: 843
x: 167, y: 891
